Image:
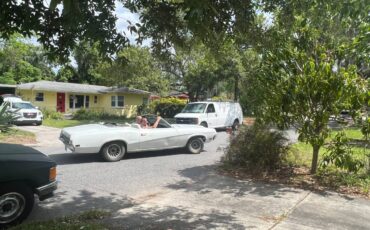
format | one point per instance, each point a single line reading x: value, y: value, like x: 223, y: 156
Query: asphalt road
x: 137, y: 176
x: 177, y: 190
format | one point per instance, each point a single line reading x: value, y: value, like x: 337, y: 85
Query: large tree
x: 22, y: 62
x: 134, y: 67
x: 306, y: 73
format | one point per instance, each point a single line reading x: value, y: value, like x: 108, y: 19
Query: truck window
x: 211, y: 108
x: 194, y: 108
x: 22, y: 105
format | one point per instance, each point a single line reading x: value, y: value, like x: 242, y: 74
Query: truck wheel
x: 235, y: 125
x: 204, y: 124
x: 113, y: 151
x: 38, y: 123
x: 195, y: 145
x: 16, y: 203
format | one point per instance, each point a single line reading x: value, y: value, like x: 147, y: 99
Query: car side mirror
x: 36, y: 107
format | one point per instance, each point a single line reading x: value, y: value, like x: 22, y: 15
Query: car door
x: 159, y: 138
x: 212, y: 118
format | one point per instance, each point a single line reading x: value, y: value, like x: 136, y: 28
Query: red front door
x: 61, y: 102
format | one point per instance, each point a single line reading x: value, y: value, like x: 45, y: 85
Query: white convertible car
x: 114, y: 140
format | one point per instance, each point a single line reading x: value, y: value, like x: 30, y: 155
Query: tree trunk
x: 236, y: 88
x: 315, y: 158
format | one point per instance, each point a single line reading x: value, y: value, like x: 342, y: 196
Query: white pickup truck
x: 211, y: 114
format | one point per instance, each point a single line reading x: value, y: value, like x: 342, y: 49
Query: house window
x: 117, y: 101
x: 77, y: 101
x: 95, y: 99
x: 145, y: 100
x: 87, y: 101
x: 39, y: 97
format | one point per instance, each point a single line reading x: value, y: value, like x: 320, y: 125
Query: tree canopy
x: 21, y: 62
x: 60, y: 25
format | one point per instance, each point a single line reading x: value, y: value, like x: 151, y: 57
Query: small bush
x: 167, y: 107
x: 48, y: 114
x: 84, y: 114
x: 340, y: 154
x: 257, y: 149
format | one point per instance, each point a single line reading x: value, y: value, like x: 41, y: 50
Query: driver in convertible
x: 145, y: 124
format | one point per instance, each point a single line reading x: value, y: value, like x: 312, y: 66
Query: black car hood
x: 14, y: 152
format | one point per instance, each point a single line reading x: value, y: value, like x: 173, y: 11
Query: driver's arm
x: 157, y: 122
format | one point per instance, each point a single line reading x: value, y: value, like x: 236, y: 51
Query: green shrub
x: 48, y: 114
x: 145, y: 109
x: 341, y: 155
x: 167, y: 107
x: 84, y: 114
x: 257, y: 149
x: 365, y: 128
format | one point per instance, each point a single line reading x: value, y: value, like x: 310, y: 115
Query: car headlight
x: 39, y: 113
x: 195, y: 120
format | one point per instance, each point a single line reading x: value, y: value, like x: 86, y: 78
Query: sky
x: 124, y: 15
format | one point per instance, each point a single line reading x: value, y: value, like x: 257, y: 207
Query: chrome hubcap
x: 11, y: 206
x: 195, y: 144
x: 114, y: 150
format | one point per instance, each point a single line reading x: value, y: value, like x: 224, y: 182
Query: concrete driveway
x: 177, y: 190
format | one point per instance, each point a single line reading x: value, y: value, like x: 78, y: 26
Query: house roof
x: 7, y: 86
x: 124, y: 90
x: 76, y: 88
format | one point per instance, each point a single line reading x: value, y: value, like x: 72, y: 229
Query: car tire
x: 235, y: 125
x: 195, y: 145
x: 16, y: 203
x: 204, y: 124
x: 113, y: 151
x: 38, y: 123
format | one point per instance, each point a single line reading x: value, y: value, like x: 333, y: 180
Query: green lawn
x: 352, y: 133
x: 63, y: 123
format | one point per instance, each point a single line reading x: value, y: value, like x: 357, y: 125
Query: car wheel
x: 204, y: 124
x: 16, y: 203
x: 38, y: 123
x: 195, y: 145
x: 235, y: 125
x: 113, y: 151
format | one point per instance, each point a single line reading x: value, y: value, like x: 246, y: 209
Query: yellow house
x: 70, y: 97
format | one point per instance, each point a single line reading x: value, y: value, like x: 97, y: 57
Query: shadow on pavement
x: 75, y: 158
x: 204, y: 179
x: 157, y: 153
x: 126, y: 214
x: 169, y: 217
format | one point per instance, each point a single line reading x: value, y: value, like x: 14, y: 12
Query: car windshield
x: 194, y: 108
x: 22, y: 105
x: 162, y: 123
